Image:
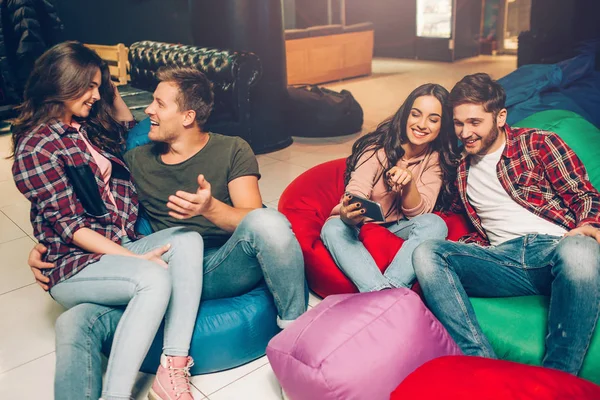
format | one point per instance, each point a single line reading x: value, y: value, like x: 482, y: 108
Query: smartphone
x: 372, y: 208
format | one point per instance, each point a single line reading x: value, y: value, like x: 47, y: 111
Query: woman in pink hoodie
x: 407, y: 165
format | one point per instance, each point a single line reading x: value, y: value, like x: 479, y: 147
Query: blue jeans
x: 149, y: 292
x: 262, y: 247
x: 356, y: 262
x: 567, y: 269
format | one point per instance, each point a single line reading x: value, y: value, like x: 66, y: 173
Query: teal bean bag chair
x: 517, y: 326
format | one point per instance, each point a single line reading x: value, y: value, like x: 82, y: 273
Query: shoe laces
x: 180, y: 378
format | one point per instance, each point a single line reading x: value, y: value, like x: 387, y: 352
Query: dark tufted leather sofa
x: 232, y: 73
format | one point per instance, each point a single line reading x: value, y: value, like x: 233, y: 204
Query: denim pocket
x: 539, y: 249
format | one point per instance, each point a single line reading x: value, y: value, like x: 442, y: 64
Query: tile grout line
x: 17, y: 225
x: 28, y: 362
x: 19, y: 288
x: 197, y: 388
x: 15, y: 239
x: 296, y: 165
x: 201, y: 392
x: 266, y: 155
x: 243, y: 376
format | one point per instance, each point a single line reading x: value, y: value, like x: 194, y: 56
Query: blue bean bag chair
x: 572, y: 85
x: 228, y: 332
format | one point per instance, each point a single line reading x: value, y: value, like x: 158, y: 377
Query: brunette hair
x: 478, y: 89
x: 391, y: 134
x: 63, y: 73
x: 195, y: 90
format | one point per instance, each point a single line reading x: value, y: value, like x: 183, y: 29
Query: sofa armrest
x: 232, y: 73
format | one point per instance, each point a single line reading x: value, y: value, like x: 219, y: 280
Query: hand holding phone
x: 357, y: 206
x: 351, y: 214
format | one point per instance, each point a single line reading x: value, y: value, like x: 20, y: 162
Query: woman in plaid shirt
x: 67, y: 150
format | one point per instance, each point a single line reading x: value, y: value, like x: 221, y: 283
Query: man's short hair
x: 195, y: 90
x: 478, y: 89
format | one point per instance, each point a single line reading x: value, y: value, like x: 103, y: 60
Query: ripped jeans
x: 566, y: 269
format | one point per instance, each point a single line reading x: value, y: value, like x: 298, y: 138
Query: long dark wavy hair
x: 391, y: 134
x: 62, y: 73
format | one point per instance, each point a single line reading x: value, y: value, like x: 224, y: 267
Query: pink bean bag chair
x: 357, y: 346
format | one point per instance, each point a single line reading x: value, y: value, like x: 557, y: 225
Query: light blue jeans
x: 567, y: 269
x: 262, y: 247
x: 356, y: 262
x: 149, y: 292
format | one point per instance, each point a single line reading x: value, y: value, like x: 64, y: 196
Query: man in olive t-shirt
x: 222, y: 160
x: 209, y: 183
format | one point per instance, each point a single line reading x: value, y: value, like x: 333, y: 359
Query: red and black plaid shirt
x: 56, y: 214
x: 541, y: 173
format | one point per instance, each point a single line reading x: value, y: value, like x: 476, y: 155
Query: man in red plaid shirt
x: 537, y: 222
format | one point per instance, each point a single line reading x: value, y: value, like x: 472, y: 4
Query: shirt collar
x: 510, y: 149
x: 61, y: 128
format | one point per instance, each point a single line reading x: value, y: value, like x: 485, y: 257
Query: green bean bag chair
x: 517, y: 326
x: 578, y: 133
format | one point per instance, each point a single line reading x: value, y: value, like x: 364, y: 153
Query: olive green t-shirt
x: 223, y: 159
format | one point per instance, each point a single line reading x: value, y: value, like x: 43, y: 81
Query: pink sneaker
x: 172, y: 380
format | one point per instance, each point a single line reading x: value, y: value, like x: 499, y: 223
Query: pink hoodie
x: 368, y: 180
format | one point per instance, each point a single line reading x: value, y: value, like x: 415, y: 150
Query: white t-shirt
x: 501, y: 217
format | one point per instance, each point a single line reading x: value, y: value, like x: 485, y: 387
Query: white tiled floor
x: 27, y: 314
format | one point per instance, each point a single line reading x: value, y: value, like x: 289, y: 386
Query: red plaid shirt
x: 56, y: 214
x: 541, y: 173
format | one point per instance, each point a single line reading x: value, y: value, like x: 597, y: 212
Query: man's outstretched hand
x: 186, y: 205
x: 37, y: 265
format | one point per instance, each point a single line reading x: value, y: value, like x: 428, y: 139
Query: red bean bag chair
x: 475, y: 378
x: 307, y: 203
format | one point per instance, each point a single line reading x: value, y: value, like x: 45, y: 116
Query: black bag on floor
x: 318, y: 112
